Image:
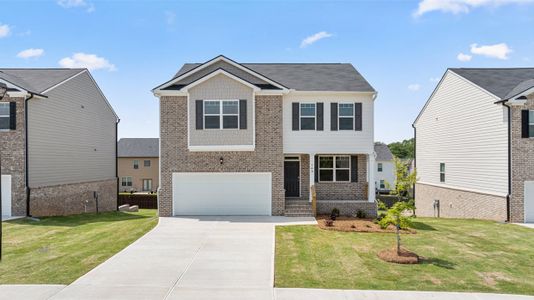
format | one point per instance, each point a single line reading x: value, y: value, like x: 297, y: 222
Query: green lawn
x: 460, y: 255
x: 58, y: 250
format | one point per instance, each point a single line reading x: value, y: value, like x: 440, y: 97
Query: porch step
x: 298, y: 208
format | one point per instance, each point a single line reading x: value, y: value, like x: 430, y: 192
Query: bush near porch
x: 459, y: 255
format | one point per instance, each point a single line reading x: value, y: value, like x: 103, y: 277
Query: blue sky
x: 401, y: 47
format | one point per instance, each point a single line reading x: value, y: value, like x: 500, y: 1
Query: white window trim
x: 8, y: 116
x: 339, y: 115
x: 309, y: 117
x: 334, y: 179
x: 123, y: 181
x: 220, y: 114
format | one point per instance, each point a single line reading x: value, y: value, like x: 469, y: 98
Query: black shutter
x: 319, y: 121
x: 333, y: 116
x: 316, y: 158
x: 199, y: 112
x: 12, y: 115
x: 354, y: 168
x: 242, y: 114
x: 296, y: 115
x: 358, y: 116
x: 524, y: 124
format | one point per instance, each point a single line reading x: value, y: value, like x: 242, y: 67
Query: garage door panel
x: 6, y: 195
x: 222, y: 193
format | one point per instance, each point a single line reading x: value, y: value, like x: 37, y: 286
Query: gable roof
x: 37, y: 80
x: 501, y: 82
x: 382, y: 152
x: 298, y: 76
x: 138, y: 147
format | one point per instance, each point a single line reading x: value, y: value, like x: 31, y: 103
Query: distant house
x: 58, y: 138
x: 384, y: 168
x: 475, y: 146
x: 138, y: 164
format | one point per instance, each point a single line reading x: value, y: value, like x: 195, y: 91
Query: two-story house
x: 253, y: 138
x: 385, y: 169
x: 475, y: 146
x: 138, y: 160
x: 58, y: 143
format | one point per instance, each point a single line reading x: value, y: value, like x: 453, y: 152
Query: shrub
x: 382, y: 205
x: 360, y: 214
x: 380, y: 216
x: 329, y: 223
x: 334, y: 214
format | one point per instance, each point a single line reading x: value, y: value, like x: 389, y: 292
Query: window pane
x: 211, y: 107
x: 230, y: 107
x: 442, y: 167
x: 211, y: 122
x: 530, y: 134
x: 229, y: 122
x: 4, y: 109
x: 147, y: 163
x: 379, y: 167
x: 342, y: 162
x: 307, y: 109
x: 326, y: 175
x: 442, y: 177
x: 326, y: 162
x: 346, y: 109
x: 4, y: 123
x: 346, y: 123
x: 530, y: 118
x: 342, y: 175
x: 307, y: 123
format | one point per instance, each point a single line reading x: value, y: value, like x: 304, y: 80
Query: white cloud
x: 89, y: 61
x: 29, y: 53
x: 5, y: 30
x: 434, y: 79
x: 414, y: 87
x: 460, y: 6
x: 89, y: 7
x: 500, y: 51
x: 170, y: 17
x: 314, y: 38
x: 464, y: 57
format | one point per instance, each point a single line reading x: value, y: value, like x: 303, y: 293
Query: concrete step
x: 291, y: 214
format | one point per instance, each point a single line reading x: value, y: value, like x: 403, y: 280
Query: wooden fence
x: 149, y: 201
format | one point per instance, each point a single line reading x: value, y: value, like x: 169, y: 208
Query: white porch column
x: 312, y: 172
x: 371, y: 177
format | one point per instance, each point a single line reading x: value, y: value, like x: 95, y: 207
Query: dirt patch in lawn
x: 404, y: 257
x: 349, y: 224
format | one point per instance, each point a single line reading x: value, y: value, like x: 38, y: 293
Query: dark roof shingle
x: 37, y: 80
x: 138, y: 147
x: 382, y: 152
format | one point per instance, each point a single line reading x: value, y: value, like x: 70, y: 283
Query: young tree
x: 396, y: 216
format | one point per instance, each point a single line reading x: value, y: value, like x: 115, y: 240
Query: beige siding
x: 126, y: 169
x: 221, y: 87
x: 71, y: 135
x: 463, y: 128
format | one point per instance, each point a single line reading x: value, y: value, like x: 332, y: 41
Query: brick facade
x: 522, y: 162
x: 175, y: 156
x: 348, y: 208
x: 76, y: 198
x: 456, y: 203
x: 12, y: 147
x: 345, y: 190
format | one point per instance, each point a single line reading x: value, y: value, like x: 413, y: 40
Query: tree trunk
x: 398, y: 239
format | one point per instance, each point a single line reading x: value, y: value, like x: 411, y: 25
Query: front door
x: 292, y: 178
x: 147, y: 184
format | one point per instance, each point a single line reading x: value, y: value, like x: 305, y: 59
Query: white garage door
x: 222, y: 194
x: 6, y: 195
x: 529, y: 201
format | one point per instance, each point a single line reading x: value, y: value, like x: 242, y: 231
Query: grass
x: 58, y: 250
x: 460, y: 255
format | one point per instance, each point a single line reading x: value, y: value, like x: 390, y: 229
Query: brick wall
x: 345, y: 190
x: 12, y: 147
x: 458, y: 203
x: 522, y: 162
x: 347, y: 208
x: 175, y: 157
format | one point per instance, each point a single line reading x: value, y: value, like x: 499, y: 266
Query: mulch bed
x: 350, y: 224
x: 405, y: 256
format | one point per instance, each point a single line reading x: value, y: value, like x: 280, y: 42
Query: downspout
x: 508, y: 197
x: 26, y: 164
x: 116, y: 159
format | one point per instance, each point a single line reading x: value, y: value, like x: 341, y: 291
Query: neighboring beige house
x: 138, y: 164
x: 475, y: 146
x: 385, y: 169
x: 254, y: 138
x: 58, y: 145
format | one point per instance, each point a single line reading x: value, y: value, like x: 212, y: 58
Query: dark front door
x: 292, y: 178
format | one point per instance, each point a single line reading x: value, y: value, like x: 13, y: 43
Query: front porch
x: 340, y: 181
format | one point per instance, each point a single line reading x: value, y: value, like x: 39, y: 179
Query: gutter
x: 26, y: 163
x: 508, y: 197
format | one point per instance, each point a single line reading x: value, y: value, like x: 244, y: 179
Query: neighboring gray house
x: 138, y: 164
x: 475, y: 146
x: 254, y: 138
x: 385, y: 168
x: 58, y: 143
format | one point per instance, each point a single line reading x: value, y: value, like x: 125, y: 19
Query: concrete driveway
x: 189, y: 258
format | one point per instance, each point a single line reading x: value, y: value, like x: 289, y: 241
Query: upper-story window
x: 221, y: 114
x: 334, y: 168
x: 146, y: 163
x: 380, y: 167
x: 346, y: 116
x: 136, y: 164
x: 531, y: 124
x: 4, y: 115
x: 442, y: 172
x: 308, y: 113
x: 126, y: 181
